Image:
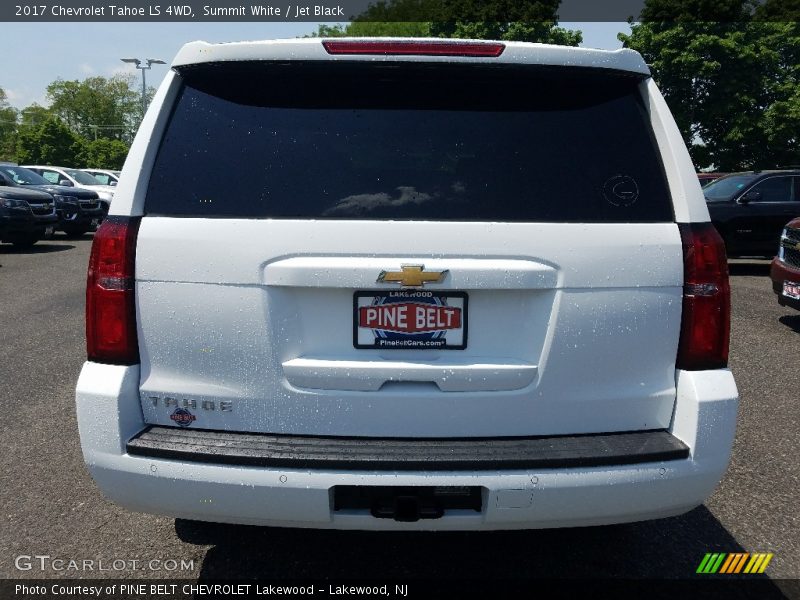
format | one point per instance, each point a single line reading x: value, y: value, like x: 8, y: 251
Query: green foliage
x: 89, y: 122
x: 101, y: 153
x: 778, y: 10
x: 34, y: 115
x: 388, y: 29
x: 509, y: 20
x: 545, y: 32
x: 8, y: 127
x: 50, y: 142
x: 733, y: 87
x: 97, y: 107
x: 327, y: 31
x: 679, y: 11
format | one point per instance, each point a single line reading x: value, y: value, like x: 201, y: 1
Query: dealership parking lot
x: 51, y: 507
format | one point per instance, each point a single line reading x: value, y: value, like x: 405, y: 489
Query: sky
x: 36, y: 54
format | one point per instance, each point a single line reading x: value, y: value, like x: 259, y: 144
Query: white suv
x: 74, y: 178
x: 407, y: 284
x: 104, y: 176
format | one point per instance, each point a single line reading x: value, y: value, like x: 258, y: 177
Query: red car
x: 785, y: 270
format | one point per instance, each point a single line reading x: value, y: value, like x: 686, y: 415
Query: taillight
x: 706, y: 322
x: 110, y: 304
x: 476, y: 49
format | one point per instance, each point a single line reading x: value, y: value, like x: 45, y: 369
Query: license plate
x: 409, y: 320
x: 791, y: 290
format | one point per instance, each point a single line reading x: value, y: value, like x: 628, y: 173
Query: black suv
x: 750, y: 209
x: 78, y: 210
x: 24, y: 215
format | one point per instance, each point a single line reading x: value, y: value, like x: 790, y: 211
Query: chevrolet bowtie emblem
x: 411, y: 276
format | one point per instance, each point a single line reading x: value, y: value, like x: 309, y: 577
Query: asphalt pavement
x: 52, y: 508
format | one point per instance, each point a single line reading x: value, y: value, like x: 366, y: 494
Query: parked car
x: 390, y: 312
x: 785, y: 268
x: 24, y: 215
x: 75, y: 178
x: 705, y: 178
x: 104, y: 176
x: 79, y: 210
x: 750, y: 209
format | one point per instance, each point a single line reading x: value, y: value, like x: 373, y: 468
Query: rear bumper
x: 109, y: 416
x: 393, y: 454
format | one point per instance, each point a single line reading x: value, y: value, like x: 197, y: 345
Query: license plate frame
x: 791, y: 290
x: 436, y: 339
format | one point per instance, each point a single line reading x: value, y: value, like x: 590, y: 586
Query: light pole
x: 138, y: 65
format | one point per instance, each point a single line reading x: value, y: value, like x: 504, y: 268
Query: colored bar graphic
x: 766, y: 562
x: 758, y: 563
x: 703, y: 563
x: 717, y: 564
x: 754, y: 564
x: 733, y: 563
x: 711, y: 562
x: 740, y: 564
x: 727, y: 564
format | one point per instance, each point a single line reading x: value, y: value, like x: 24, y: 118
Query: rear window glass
x: 404, y: 141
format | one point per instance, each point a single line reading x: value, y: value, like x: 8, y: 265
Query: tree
x: 89, y: 122
x: 8, y: 127
x: 545, y: 32
x: 101, y: 153
x: 510, y: 20
x: 33, y: 115
x: 98, y: 107
x: 376, y: 29
x: 527, y: 21
x: 50, y: 142
x: 778, y: 10
x: 733, y: 86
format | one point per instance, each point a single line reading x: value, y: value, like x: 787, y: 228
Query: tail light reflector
x: 110, y: 303
x: 476, y: 49
x: 706, y: 321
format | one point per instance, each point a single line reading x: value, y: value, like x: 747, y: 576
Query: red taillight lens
x: 706, y: 323
x: 110, y: 303
x: 476, y: 49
